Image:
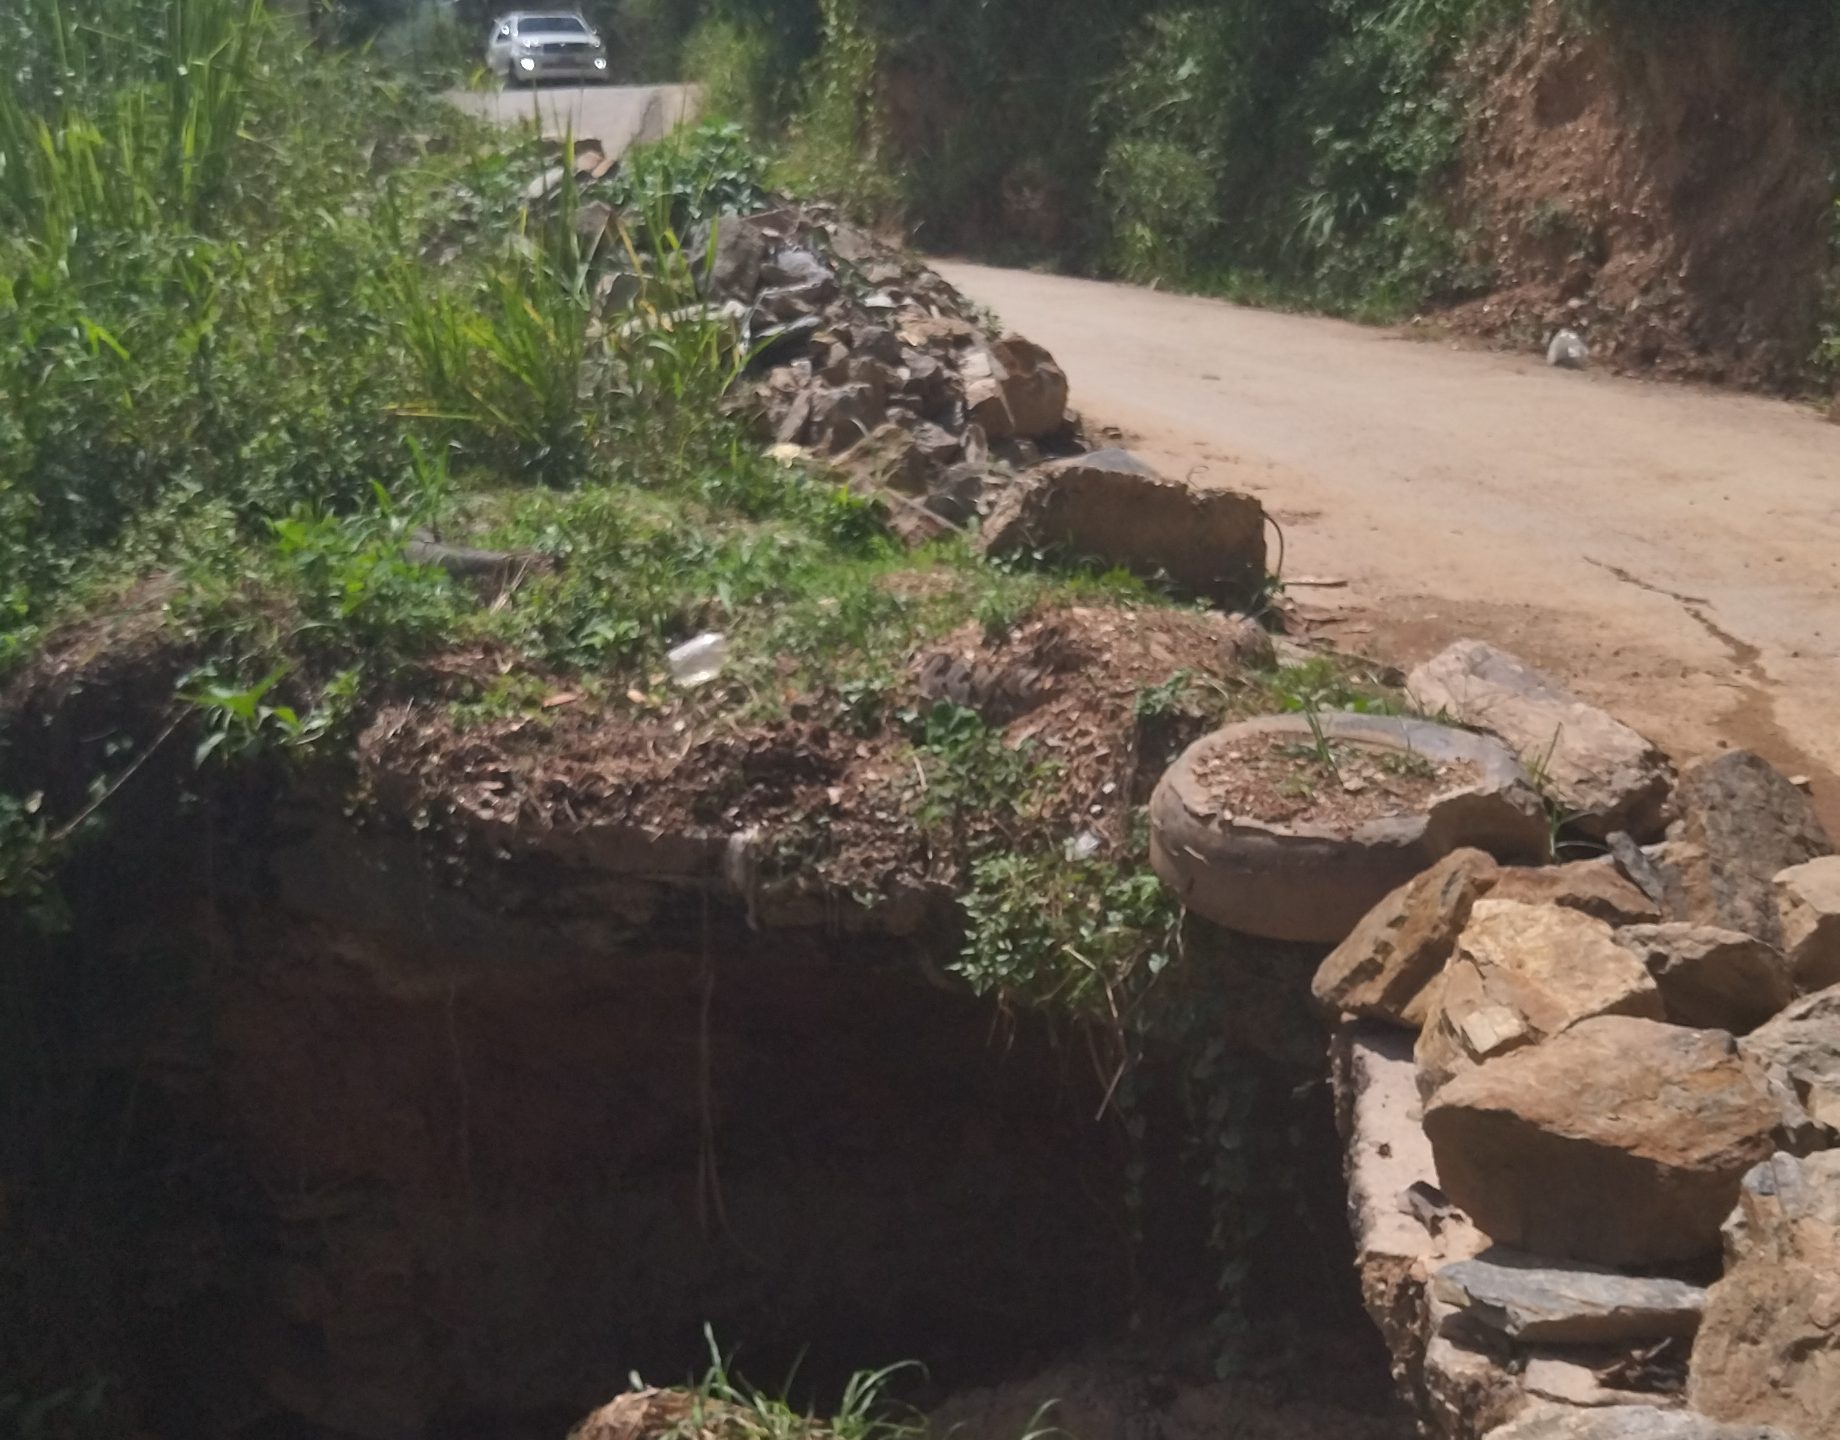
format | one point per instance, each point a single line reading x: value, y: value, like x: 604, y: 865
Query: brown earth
x: 1649, y: 188
x: 1283, y: 779
x: 837, y: 808
x: 1671, y: 553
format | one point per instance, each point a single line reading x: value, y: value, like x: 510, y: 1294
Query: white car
x: 531, y: 45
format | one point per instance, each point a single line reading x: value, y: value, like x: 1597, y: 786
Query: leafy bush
x: 1078, y: 936
x: 505, y: 362
x: 692, y: 175
x: 1293, y: 149
x: 1162, y: 208
x: 741, y: 71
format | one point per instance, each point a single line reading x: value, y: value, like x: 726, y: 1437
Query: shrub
x: 1161, y: 208
x: 741, y: 71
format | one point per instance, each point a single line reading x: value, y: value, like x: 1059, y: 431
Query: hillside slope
x: 1658, y: 177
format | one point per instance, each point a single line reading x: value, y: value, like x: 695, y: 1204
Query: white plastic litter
x: 698, y: 661
x: 1568, y: 351
x: 1083, y: 846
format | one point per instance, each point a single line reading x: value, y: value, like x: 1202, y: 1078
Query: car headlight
x: 526, y: 63
x: 595, y: 41
x: 599, y: 64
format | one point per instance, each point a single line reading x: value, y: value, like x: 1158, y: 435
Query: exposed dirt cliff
x: 1653, y: 188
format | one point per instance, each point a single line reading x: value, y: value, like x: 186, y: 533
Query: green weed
x: 972, y: 787
x: 1076, y: 937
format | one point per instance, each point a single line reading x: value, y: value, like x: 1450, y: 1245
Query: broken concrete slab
x: 1620, y: 1140
x: 1536, y: 1300
x: 1605, y: 775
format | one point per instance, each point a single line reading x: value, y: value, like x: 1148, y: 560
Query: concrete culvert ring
x: 1308, y: 880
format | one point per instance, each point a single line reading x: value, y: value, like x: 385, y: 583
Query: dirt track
x: 1672, y: 553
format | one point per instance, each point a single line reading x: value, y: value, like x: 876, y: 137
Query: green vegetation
x: 270, y: 316
x: 1292, y: 152
x: 1298, y: 153
x: 721, y: 1406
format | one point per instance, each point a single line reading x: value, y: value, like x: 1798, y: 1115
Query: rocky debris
x: 1711, y: 979
x: 1521, y: 974
x: 1618, y: 1140
x: 1798, y: 1054
x: 1592, y: 887
x: 1384, y: 970
x: 1808, y: 907
x: 1624, y: 1422
x: 640, y: 1415
x: 1527, y: 1298
x: 876, y: 363
x: 1741, y: 825
x: 1605, y: 775
x: 1635, y: 863
x: 1595, y: 1375
x: 1247, y: 645
x: 1586, y: 1104
x: 1384, y: 967
x: 731, y: 251
x: 1014, y: 390
x: 1467, y: 1390
x: 1001, y: 684
x: 1768, y: 1351
x: 1112, y: 507
x: 1388, y: 1164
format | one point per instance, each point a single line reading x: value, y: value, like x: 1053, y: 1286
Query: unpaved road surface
x: 616, y: 115
x: 1671, y: 553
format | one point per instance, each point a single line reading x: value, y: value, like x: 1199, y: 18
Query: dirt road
x: 1672, y: 553
x: 616, y: 115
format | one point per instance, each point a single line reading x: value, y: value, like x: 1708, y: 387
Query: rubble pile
x: 1564, y: 1091
x: 873, y: 362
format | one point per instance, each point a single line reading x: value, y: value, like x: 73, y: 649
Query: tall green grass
x: 124, y: 114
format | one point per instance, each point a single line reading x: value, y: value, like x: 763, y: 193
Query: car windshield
x: 551, y: 25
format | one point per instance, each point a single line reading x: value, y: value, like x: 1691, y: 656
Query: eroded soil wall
x: 404, y: 1157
